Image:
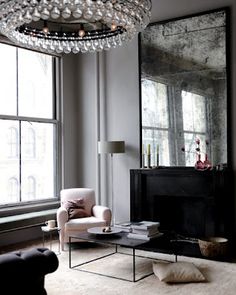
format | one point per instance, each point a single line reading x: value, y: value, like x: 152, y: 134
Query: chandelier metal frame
x: 65, y: 26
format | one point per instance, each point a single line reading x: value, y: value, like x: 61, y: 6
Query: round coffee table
x: 99, y: 230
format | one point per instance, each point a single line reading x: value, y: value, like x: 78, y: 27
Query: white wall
x: 112, y: 78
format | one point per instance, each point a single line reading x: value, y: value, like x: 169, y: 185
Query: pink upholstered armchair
x: 96, y: 215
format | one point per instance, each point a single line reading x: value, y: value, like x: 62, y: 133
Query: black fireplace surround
x: 188, y: 203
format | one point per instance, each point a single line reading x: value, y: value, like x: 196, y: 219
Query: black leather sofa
x: 23, y: 272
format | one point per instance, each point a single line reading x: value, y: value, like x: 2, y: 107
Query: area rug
x: 220, y: 275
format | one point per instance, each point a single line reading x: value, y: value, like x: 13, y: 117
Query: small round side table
x: 47, y: 231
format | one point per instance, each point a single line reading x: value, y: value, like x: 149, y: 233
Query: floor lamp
x: 111, y: 147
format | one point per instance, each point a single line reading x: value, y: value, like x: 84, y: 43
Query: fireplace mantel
x: 185, y: 201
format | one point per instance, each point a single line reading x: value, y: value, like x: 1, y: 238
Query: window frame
x: 174, y: 97
x: 168, y: 129
x: 45, y: 204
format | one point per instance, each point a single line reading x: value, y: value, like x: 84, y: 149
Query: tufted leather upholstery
x: 23, y: 272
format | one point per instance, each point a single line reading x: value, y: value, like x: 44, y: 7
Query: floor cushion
x: 177, y: 272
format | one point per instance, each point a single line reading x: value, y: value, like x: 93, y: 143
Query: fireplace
x: 185, y: 201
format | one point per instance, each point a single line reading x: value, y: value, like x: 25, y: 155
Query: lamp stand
x: 112, y: 194
x: 111, y: 147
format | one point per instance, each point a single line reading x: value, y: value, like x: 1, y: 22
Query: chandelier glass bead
x: 65, y: 26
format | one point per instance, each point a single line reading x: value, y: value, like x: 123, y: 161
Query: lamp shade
x: 111, y: 147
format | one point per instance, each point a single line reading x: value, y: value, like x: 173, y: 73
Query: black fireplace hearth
x: 188, y: 203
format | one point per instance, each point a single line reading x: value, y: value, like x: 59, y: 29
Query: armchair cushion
x: 77, y: 203
x: 76, y: 209
x: 77, y: 213
x: 86, y: 194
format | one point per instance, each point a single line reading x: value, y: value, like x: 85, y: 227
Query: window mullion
x: 17, y: 83
x: 17, y: 114
x: 20, y: 161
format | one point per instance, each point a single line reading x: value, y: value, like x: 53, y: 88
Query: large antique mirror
x: 183, y: 89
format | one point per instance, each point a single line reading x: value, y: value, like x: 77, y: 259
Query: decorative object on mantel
x: 157, y: 156
x: 149, y: 157
x: 207, y: 163
x: 57, y: 26
x: 111, y: 147
x: 221, y: 166
x: 199, y: 164
x: 143, y: 157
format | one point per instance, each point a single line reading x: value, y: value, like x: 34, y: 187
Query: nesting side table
x: 48, y: 235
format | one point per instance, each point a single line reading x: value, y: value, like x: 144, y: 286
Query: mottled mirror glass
x: 183, y: 80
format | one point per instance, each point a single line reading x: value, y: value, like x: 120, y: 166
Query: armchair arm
x: 62, y: 217
x: 102, y: 212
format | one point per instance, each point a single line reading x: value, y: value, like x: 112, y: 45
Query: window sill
x: 28, y: 208
x: 27, y: 220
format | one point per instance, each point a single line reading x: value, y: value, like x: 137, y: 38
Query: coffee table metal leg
x: 69, y: 252
x: 50, y: 237
x: 43, y: 239
x: 133, y: 264
x: 59, y: 243
x: 176, y: 258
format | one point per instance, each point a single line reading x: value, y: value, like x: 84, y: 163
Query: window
x: 155, y: 119
x: 28, y: 126
x: 194, y: 123
x: 13, y: 142
x: 13, y: 188
x: 31, y: 192
x: 173, y: 118
x: 30, y: 143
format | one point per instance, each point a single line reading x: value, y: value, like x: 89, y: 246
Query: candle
x: 149, y: 149
x: 143, y: 156
x: 157, y: 159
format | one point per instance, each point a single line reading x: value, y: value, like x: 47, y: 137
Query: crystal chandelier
x: 65, y: 26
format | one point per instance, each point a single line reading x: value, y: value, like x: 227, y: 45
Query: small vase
x: 199, y: 165
x: 207, y: 163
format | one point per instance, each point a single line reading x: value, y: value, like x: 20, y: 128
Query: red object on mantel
x: 199, y: 165
x: 202, y: 165
x: 207, y: 163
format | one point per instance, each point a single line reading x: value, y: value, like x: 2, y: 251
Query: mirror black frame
x: 226, y: 10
